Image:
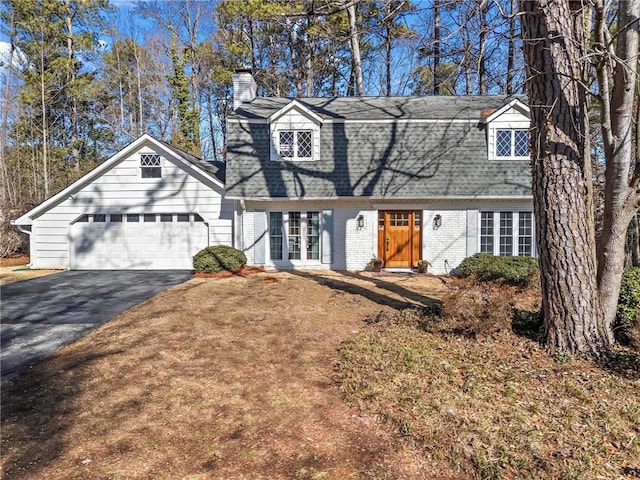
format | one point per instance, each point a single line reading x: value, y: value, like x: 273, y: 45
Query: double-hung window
x: 506, y: 233
x: 150, y: 165
x: 294, y: 236
x: 512, y: 143
x: 295, y: 144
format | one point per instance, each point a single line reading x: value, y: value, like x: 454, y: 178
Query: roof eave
x: 515, y: 103
x: 417, y: 199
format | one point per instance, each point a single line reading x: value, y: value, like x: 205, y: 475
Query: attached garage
x: 150, y: 206
x: 136, y: 241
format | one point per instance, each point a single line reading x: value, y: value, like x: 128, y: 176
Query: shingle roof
x: 386, y: 159
x: 217, y: 169
x: 387, y: 108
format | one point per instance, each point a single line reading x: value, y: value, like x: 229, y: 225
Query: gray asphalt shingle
x: 383, y: 159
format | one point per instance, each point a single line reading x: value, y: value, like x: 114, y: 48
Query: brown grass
x: 216, y: 378
x: 13, y: 269
x: 492, y: 404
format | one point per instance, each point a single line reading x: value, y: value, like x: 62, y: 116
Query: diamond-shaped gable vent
x: 149, y: 160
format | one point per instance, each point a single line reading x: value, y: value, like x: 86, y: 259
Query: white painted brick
x: 353, y: 248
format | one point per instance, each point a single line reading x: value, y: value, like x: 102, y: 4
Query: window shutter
x: 327, y: 235
x: 260, y: 236
x: 472, y: 232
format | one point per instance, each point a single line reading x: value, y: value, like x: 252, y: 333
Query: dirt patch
x: 216, y: 378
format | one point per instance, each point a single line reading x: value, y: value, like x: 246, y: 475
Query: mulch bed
x: 236, y: 272
x: 14, y: 261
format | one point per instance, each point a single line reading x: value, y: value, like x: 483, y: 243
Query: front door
x: 399, y: 234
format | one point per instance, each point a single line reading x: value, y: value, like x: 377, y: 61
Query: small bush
x: 218, y: 258
x: 515, y: 270
x: 628, y: 314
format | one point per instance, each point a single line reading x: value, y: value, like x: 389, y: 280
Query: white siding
x: 509, y: 119
x: 294, y: 120
x: 181, y: 189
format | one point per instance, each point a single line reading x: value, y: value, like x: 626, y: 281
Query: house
x: 329, y: 183
x: 313, y: 183
x: 150, y: 206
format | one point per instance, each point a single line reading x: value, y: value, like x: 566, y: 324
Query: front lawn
x: 246, y: 378
x: 489, y: 403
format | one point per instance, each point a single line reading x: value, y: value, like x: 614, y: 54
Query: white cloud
x: 18, y: 56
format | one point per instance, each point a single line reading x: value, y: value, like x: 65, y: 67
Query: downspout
x: 241, y: 210
x: 28, y: 232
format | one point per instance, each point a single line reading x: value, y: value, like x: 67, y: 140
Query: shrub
x: 515, y: 270
x: 218, y: 258
x: 628, y: 314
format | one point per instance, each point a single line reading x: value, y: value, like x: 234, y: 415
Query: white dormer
x: 295, y: 133
x: 508, y: 132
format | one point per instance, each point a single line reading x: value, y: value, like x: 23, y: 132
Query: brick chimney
x: 244, y: 87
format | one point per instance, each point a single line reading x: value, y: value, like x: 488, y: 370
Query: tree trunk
x: 561, y: 170
x: 71, y: 79
x: 295, y: 64
x: 45, y: 131
x: 7, y: 195
x: 482, y: 61
x: 436, y: 47
x: 387, y: 59
x: 617, y: 116
x: 355, y: 50
x: 511, y: 49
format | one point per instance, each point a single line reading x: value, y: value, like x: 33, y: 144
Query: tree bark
x: 617, y: 117
x: 554, y: 39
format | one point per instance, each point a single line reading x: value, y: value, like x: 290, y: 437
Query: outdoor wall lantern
x: 437, y: 222
x: 360, y: 222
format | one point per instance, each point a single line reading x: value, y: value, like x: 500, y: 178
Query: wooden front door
x: 399, y: 235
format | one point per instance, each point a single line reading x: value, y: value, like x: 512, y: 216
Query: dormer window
x: 295, y: 144
x: 511, y: 143
x: 150, y: 165
x: 295, y: 134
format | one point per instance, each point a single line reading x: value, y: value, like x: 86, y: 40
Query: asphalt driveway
x: 41, y: 315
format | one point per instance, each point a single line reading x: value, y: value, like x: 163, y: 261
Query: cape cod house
x: 313, y: 183
x: 333, y: 182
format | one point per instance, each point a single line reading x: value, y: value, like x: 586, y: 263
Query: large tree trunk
x: 617, y: 117
x: 554, y: 37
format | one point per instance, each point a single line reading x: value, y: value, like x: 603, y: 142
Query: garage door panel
x: 136, y: 245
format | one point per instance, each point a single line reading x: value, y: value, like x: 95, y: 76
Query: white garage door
x: 136, y: 241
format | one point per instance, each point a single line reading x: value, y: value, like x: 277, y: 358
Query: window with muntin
x: 150, y: 165
x: 295, y: 144
x: 512, y: 143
